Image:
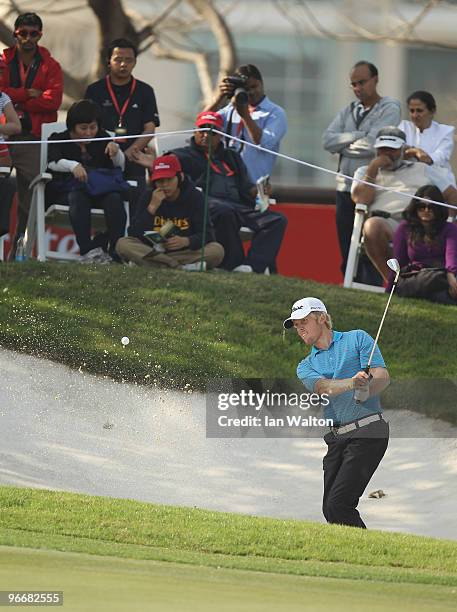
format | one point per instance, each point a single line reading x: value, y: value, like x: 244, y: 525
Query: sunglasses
x: 425, y: 207
x: 26, y: 33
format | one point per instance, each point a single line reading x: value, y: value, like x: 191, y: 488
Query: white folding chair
x: 36, y: 224
x: 354, y: 252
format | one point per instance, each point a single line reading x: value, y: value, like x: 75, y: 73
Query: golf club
x: 395, y: 266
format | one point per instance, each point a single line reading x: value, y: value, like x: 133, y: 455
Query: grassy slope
x: 200, y: 325
x: 135, y: 530
x: 188, y: 328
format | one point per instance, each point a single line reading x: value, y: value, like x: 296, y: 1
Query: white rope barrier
x: 244, y: 142
x: 334, y: 173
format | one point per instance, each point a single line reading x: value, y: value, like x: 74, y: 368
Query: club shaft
x: 382, y: 321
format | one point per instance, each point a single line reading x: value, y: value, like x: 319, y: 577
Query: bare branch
x: 364, y: 34
x: 407, y: 28
x: 6, y: 36
x: 221, y: 32
x: 411, y: 26
x: 168, y: 10
x: 199, y: 59
x: 113, y: 22
x: 50, y: 8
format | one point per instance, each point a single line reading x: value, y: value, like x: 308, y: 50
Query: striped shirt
x: 4, y: 100
x: 347, y: 354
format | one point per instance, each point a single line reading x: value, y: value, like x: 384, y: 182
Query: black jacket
x: 97, y: 158
x: 194, y: 163
x: 186, y: 212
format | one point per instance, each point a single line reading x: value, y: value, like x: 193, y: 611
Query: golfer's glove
x: 361, y: 394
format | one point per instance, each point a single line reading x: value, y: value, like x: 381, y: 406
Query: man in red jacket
x: 33, y: 80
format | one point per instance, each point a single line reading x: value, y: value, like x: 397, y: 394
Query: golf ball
x: 125, y: 340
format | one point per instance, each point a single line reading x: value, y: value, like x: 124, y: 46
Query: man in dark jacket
x: 173, y: 199
x: 232, y: 199
x: 33, y: 80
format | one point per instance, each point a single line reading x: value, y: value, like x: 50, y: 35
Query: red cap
x: 210, y: 118
x: 165, y: 166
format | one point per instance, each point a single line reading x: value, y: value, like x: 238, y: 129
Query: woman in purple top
x: 425, y: 239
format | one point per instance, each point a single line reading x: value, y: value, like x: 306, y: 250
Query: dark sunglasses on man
x: 25, y: 33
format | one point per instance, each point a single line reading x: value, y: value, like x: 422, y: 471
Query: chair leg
x: 359, y: 218
x: 40, y: 224
x: 30, y: 230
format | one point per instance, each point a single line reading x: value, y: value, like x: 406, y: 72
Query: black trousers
x: 349, y: 464
x: 228, y: 216
x: 80, y: 216
x: 344, y: 224
x: 7, y: 191
x: 227, y: 225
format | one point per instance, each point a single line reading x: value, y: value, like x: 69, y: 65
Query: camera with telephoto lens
x: 239, y: 81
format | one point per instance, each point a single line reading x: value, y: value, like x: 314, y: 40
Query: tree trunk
x: 112, y: 23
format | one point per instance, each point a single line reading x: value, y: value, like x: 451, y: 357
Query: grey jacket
x: 355, y: 143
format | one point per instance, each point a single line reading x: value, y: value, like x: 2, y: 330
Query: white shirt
x: 436, y: 140
x: 4, y: 100
x: 405, y: 180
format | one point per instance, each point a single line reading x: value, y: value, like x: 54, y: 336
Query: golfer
x: 359, y: 436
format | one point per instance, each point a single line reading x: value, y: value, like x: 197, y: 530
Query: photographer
x: 251, y: 116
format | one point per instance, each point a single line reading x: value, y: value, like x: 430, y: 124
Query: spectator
x: 9, y: 126
x: 173, y: 198
x: 390, y: 169
x: 351, y: 135
x: 7, y: 191
x: 254, y: 118
x: 33, y: 80
x: 71, y: 165
x: 429, y: 142
x: 232, y: 200
x: 425, y: 239
x: 128, y: 107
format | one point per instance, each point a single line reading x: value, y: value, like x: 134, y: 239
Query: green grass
x: 133, y: 530
x: 200, y: 325
x: 116, y: 585
x: 188, y: 328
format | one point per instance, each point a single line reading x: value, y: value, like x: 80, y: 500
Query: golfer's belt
x: 357, y: 424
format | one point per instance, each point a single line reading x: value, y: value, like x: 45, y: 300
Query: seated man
x: 232, y: 199
x: 173, y: 198
x: 389, y: 169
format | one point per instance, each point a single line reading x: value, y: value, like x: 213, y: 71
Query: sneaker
x: 243, y: 268
x: 95, y: 256
x: 194, y: 267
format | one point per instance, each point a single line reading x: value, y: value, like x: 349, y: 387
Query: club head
x: 394, y: 265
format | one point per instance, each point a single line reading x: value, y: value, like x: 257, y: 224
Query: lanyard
x: 24, y: 73
x: 120, y: 112
x: 228, y: 170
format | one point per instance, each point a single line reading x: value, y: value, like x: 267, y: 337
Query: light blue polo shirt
x: 347, y: 354
x: 272, y: 120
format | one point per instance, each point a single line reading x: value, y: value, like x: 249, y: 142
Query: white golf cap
x: 302, y: 308
x: 390, y: 137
